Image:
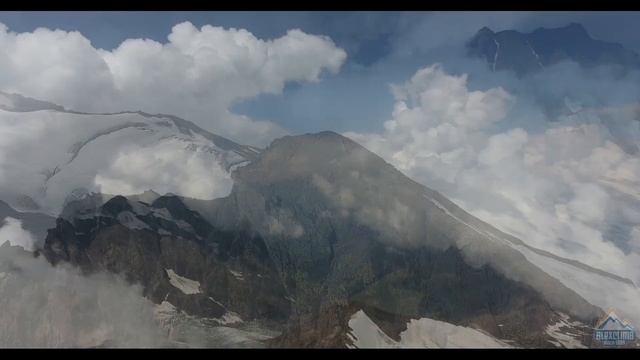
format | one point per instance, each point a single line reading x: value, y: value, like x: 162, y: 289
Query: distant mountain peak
x: 19, y: 103
x: 486, y: 30
x: 525, y: 53
x: 575, y: 26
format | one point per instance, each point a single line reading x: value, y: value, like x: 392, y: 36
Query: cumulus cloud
x: 566, y: 186
x: 13, y: 232
x: 197, y: 74
x: 188, y: 173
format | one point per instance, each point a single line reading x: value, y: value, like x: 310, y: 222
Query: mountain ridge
x: 526, y: 53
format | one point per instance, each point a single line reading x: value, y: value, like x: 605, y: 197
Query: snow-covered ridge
x: 19, y: 103
x: 121, y: 153
x: 421, y: 333
x: 229, y: 317
x: 598, y: 287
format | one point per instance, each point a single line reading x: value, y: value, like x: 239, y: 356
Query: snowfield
x: 48, y: 155
x: 422, y: 333
x: 187, y: 286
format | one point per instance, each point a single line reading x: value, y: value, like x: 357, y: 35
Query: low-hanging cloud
x: 12, y: 231
x: 198, y: 74
x: 566, y: 186
x: 136, y: 169
x: 45, y: 306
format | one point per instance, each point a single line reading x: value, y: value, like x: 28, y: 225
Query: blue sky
x: 382, y: 48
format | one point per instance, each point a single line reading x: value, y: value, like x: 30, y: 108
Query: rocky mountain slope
x: 318, y: 239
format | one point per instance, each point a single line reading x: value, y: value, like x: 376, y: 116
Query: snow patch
x: 422, y: 333
x: 565, y: 338
x: 229, y: 318
x: 431, y: 333
x: 489, y: 236
x: 495, y: 57
x: 366, y: 334
x: 216, y: 302
x: 131, y: 221
x: 536, y: 55
x: 234, y: 167
x: 187, y: 286
x: 238, y: 275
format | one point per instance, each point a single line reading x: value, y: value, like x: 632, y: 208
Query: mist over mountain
x: 495, y: 207
x: 313, y: 225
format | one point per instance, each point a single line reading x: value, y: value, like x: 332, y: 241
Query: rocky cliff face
x: 177, y: 257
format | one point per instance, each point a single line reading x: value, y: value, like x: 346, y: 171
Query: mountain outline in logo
x: 613, y: 331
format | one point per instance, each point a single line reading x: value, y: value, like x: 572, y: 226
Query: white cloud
x: 136, y: 169
x: 45, y: 306
x: 198, y: 74
x: 501, y: 146
x: 13, y: 232
x: 562, y: 187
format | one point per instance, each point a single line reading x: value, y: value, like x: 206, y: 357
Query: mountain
x: 80, y: 153
x: 177, y: 255
x: 328, y: 245
x: 313, y: 242
x: 17, y: 102
x: 525, y: 53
